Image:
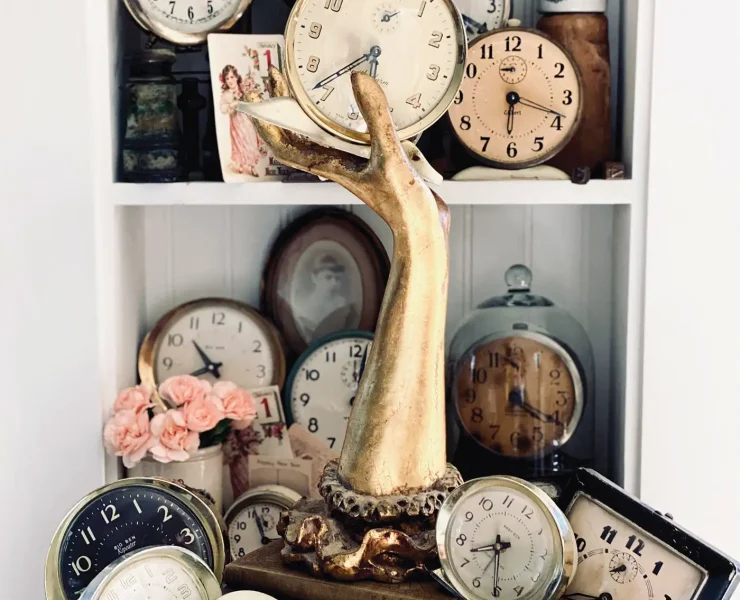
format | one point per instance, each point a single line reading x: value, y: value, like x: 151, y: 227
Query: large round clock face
x: 619, y: 561
x: 520, y: 101
x: 414, y: 49
x: 482, y: 16
x: 519, y: 396
x: 121, y: 520
x: 322, y: 386
x: 215, y: 340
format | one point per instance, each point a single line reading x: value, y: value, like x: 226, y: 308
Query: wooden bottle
x: 582, y: 28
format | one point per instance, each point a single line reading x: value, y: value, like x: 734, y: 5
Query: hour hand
x: 210, y: 366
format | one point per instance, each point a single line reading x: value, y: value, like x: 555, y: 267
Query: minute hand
x: 531, y: 104
x: 343, y: 70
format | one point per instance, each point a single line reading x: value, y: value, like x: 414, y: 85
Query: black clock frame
x: 723, y: 573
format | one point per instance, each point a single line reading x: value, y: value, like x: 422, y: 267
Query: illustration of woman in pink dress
x: 246, y: 147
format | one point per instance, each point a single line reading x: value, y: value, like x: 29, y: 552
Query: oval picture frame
x: 327, y: 272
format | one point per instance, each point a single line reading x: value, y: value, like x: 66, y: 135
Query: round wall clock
x: 482, y: 16
x: 520, y: 101
x: 158, y: 573
x: 321, y: 387
x: 501, y: 537
x: 415, y: 49
x: 186, y: 22
x: 520, y: 373
x: 253, y: 517
x: 213, y: 338
x: 327, y: 273
x: 124, y: 516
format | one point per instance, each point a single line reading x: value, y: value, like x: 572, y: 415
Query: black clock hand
x: 531, y: 104
x: 510, y: 120
x: 508, y: 69
x: 265, y: 540
x: 474, y: 25
x: 619, y: 569
x: 388, y: 16
x: 209, y: 364
x: 199, y: 372
x: 516, y: 397
x: 374, y: 53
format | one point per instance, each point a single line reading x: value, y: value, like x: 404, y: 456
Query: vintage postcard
x: 293, y: 473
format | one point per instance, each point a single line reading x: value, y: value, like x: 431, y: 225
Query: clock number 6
x: 511, y: 150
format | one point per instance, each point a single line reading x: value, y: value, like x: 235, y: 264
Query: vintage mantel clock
x: 520, y: 376
x: 503, y: 537
x: 629, y: 551
x: 415, y: 49
x: 125, y: 516
x: 520, y: 101
x: 186, y: 22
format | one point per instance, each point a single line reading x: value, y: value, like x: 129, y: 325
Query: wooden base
x: 264, y: 571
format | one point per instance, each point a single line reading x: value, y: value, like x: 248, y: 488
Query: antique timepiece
x: 156, y: 573
x: 482, y: 16
x: 253, y: 517
x: 502, y: 537
x: 124, y: 516
x: 213, y: 338
x: 415, y: 49
x: 186, y: 22
x: 520, y: 100
x: 321, y: 387
x: 629, y: 551
x: 521, y: 372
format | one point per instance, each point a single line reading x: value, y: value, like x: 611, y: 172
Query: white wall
x: 50, y: 451
x: 691, y: 402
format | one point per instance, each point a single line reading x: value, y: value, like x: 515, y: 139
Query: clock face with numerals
x: 520, y: 101
x: 322, y: 385
x: 501, y: 537
x: 214, y: 339
x: 415, y: 50
x: 125, y: 516
x: 619, y: 561
x: 186, y: 22
x: 519, y: 395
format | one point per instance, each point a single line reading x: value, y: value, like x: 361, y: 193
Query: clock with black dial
x: 125, y: 516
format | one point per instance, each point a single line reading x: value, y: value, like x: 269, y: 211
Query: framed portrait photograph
x: 327, y: 272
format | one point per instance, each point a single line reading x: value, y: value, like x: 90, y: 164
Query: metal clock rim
x: 579, y: 114
x: 54, y: 589
x: 274, y: 493
x: 153, y: 339
x: 552, y: 343
x: 560, y: 529
x: 305, y: 355
x: 136, y: 10
x: 201, y: 573
x: 301, y: 96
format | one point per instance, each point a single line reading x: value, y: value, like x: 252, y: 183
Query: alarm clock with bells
x: 629, y: 551
x: 213, y: 338
x: 502, y: 537
x: 125, y: 516
x: 520, y: 101
x: 321, y: 387
x: 482, y: 16
x: 186, y: 22
x: 415, y: 49
x: 253, y: 517
x: 520, y: 373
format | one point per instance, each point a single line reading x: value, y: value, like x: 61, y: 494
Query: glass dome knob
x: 518, y: 278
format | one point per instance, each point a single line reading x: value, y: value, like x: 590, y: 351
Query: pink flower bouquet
x: 198, y: 415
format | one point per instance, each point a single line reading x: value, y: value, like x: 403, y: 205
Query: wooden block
x: 264, y: 571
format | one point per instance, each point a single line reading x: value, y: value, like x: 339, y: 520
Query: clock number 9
x: 304, y: 399
x: 167, y: 362
x: 469, y: 516
x: 314, y: 31
x: 459, y: 97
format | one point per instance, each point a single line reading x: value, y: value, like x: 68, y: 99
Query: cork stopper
x: 572, y: 6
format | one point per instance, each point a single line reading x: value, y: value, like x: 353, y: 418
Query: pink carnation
x: 182, y: 389
x: 127, y: 434
x: 173, y: 440
x: 204, y: 413
x: 135, y: 398
x: 237, y: 402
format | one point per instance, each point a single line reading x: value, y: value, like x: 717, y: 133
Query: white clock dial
x: 158, y: 578
x: 481, y: 16
x: 323, y: 386
x: 254, y: 526
x: 619, y: 561
x: 217, y: 341
x: 415, y: 49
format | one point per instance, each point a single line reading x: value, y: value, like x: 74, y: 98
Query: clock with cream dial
x: 502, y: 537
x: 520, y: 101
x: 415, y: 49
x: 321, y: 387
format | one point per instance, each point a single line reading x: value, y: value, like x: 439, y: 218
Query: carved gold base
x: 350, y: 536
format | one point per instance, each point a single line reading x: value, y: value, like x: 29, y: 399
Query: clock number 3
x: 188, y: 536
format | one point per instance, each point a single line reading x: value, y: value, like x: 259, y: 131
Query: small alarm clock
x: 253, y: 517
x: 156, y: 573
x: 501, y: 537
x: 321, y: 387
x: 520, y: 372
